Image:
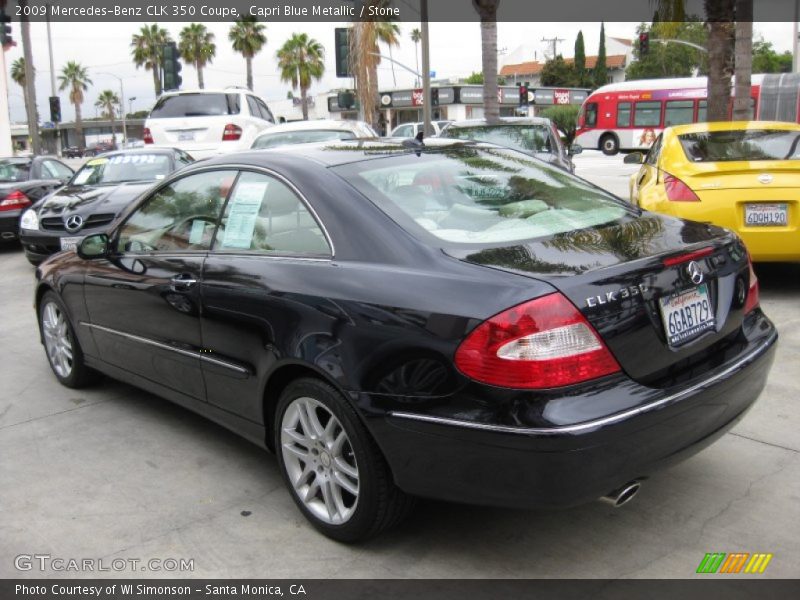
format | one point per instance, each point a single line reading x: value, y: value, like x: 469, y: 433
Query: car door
x: 648, y: 176
x: 258, y: 291
x: 143, y: 301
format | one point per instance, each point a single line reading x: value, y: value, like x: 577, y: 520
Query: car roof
x: 731, y: 126
x: 228, y: 90
x: 331, y: 154
x: 319, y: 124
x: 501, y: 121
x: 132, y: 151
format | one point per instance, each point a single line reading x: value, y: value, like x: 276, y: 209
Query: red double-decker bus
x: 630, y: 115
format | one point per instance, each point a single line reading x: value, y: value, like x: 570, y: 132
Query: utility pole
x: 554, y: 43
x: 795, y: 39
x: 6, y: 147
x: 30, y: 84
x: 426, y: 70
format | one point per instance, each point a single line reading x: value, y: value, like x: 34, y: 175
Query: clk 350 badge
x: 617, y: 295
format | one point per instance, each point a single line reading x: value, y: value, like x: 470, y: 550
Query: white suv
x: 207, y: 122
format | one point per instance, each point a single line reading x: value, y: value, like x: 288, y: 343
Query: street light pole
x: 426, y: 70
x: 52, y: 77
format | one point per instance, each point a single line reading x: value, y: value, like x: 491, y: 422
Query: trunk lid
x: 631, y: 278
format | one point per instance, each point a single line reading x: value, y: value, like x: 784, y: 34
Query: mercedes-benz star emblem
x: 73, y: 223
x: 694, y: 272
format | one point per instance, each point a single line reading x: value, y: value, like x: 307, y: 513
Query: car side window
x: 265, y: 112
x: 254, y: 110
x: 264, y: 215
x: 655, y: 150
x: 56, y: 170
x: 180, y: 216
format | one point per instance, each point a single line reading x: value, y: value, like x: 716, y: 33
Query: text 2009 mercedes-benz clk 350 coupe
x: 450, y: 320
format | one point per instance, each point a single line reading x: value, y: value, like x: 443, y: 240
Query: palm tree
x: 18, y: 76
x: 247, y: 37
x: 388, y: 33
x: 487, y: 11
x: 108, y: 101
x: 300, y: 60
x: 146, y: 48
x: 743, y: 59
x: 75, y: 78
x: 416, y: 37
x: 719, y: 16
x: 197, y: 47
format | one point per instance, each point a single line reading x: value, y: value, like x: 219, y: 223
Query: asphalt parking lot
x: 112, y: 472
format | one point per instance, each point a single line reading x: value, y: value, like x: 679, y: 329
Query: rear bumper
x: 563, y: 465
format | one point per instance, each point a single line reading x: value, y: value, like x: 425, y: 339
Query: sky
x: 455, y: 51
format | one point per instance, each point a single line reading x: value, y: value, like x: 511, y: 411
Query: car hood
x: 83, y: 198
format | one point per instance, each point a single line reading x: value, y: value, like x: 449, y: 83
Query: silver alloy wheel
x: 57, y: 341
x: 319, y: 460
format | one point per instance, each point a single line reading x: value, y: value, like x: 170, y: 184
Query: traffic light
x: 644, y: 43
x: 434, y: 96
x: 172, y: 67
x: 342, y: 46
x: 55, y: 109
x: 346, y: 100
x: 5, y: 29
x: 523, y: 94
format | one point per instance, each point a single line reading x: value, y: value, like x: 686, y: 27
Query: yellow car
x: 743, y: 175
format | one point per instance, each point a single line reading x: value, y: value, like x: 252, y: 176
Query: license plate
x: 765, y: 215
x: 70, y: 243
x: 686, y: 315
x: 186, y: 136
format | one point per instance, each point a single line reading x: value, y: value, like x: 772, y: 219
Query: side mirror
x: 575, y: 149
x: 93, y: 246
x: 634, y: 158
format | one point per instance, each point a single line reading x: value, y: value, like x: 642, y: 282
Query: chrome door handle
x: 182, y: 282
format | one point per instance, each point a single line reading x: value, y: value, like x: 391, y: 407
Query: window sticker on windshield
x: 124, y: 159
x: 97, y: 161
x: 198, y: 229
x: 242, y: 214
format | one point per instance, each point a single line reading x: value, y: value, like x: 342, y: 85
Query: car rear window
x: 476, y: 195
x: 528, y: 138
x: 123, y: 167
x: 15, y: 170
x: 196, y: 105
x: 743, y: 144
x: 288, y: 138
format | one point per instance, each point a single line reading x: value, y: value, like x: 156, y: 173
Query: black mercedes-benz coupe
x: 452, y: 320
x: 92, y: 198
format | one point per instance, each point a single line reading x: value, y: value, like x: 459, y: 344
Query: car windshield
x: 528, y: 138
x: 14, y: 170
x: 477, y: 195
x: 121, y: 168
x: 196, y: 105
x: 288, y: 138
x: 745, y: 144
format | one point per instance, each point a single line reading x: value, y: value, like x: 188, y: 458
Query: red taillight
x: 753, y: 293
x: 147, y: 136
x: 677, y: 191
x: 543, y: 343
x: 14, y: 200
x: 231, y: 133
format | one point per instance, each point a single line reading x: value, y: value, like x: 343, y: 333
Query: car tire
x: 335, y: 472
x: 61, y: 345
x: 609, y: 144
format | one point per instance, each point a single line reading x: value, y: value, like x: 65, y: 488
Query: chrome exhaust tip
x: 623, y: 495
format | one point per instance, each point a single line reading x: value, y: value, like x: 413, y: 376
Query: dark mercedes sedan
x: 456, y: 321
x: 23, y: 181
x: 93, y: 197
